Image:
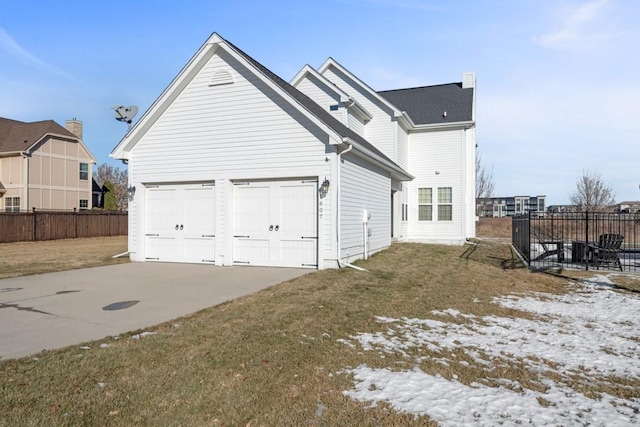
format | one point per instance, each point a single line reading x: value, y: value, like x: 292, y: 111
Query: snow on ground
x: 583, y: 337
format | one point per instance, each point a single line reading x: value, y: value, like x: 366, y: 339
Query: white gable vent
x: 221, y: 77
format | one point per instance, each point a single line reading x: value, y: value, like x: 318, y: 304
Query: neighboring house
x: 44, y: 166
x: 232, y: 165
x: 97, y: 194
x: 498, y: 207
x: 628, y: 207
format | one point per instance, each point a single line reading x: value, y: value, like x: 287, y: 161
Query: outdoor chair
x: 558, y: 243
x: 607, y: 251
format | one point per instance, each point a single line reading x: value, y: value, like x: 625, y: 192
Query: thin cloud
x: 580, y: 27
x: 8, y: 44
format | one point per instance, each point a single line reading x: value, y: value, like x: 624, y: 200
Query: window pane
x: 12, y: 204
x: 445, y: 213
x: 444, y: 195
x: 84, y: 171
x: 424, y: 195
x: 425, y: 213
x: 84, y: 203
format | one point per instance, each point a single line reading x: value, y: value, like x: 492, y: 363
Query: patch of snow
x: 142, y: 335
x: 589, y: 334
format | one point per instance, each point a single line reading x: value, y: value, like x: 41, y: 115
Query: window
x: 12, y: 204
x: 445, y: 204
x: 425, y: 206
x: 84, y: 171
x: 84, y: 204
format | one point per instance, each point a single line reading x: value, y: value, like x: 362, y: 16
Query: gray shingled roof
x: 426, y: 105
x: 315, y: 109
x: 20, y: 136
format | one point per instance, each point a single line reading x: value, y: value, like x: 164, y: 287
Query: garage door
x: 275, y: 223
x: 180, y: 223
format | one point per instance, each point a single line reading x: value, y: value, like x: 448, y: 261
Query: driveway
x: 55, y: 310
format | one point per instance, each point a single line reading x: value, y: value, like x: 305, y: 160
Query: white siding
x: 437, y: 159
x: 380, y: 130
x: 363, y: 188
x: 402, y: 158
x: 470, y: 179
x: 316, y: 90
x: 355, y: 124
x: 242, y: 130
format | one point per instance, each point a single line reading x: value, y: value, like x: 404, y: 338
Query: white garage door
x: 275, y: 223
x: 180, y: 223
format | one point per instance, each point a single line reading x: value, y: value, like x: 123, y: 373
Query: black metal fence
x: 574, y: 240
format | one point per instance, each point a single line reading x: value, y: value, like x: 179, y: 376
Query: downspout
x: 338, y: 231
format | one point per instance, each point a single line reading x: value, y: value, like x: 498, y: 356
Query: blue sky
x: 558, y: 80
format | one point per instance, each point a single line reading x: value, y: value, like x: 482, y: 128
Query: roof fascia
x: 330, y: 62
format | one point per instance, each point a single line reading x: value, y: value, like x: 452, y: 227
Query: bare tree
x: 118, y: 180
x: 591, y: 193
x: 484, y: 179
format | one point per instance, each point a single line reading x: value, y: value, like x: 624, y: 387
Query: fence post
x: 34, y: 224
x: 586, y: 237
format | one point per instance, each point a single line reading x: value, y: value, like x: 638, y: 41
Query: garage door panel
x: 199, y: 250
x: 251, y: 251
x: 275, y: 223
x: 298, y: 253
x: 180, y: 223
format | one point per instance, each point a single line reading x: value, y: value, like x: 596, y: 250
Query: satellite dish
x: 125, y: 114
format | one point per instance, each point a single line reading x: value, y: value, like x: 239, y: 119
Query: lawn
x: 430, y: 335
x: 25, y: 258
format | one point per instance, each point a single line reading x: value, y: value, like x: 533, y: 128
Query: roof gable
x: 447, y: 103
x: 16, y: 136
x: 308, y: 72
x: 296, y: 98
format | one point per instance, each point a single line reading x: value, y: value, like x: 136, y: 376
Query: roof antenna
x: 125, y: 114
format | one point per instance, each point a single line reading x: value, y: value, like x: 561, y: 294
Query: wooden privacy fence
x: 43, y: 225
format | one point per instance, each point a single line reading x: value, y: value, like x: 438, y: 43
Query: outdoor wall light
x: 324, y: 188
x: 131, y: 191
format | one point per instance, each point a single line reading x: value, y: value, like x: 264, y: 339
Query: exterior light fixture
x: 324, y: 188
x: 131, y: 191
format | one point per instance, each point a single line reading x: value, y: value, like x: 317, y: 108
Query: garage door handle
x: 277, y: 227
x: 177, y: 226
x: 271, y: 228
x: 181, y: 226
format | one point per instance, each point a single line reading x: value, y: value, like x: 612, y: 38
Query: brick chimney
x: 74, y: 126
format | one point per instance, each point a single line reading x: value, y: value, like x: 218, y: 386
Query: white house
x: 232, y: 165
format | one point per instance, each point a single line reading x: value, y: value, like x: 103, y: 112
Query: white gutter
x: 436, y: 126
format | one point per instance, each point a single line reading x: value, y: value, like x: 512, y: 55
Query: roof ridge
x: 422, y: 87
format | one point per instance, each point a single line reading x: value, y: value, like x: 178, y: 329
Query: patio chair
x: 607, y: 251
x: 559, y: 247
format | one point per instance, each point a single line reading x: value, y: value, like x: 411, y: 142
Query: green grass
x: 271, y: 358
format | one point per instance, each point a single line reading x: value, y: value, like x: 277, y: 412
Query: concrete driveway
x: 56, y: 310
